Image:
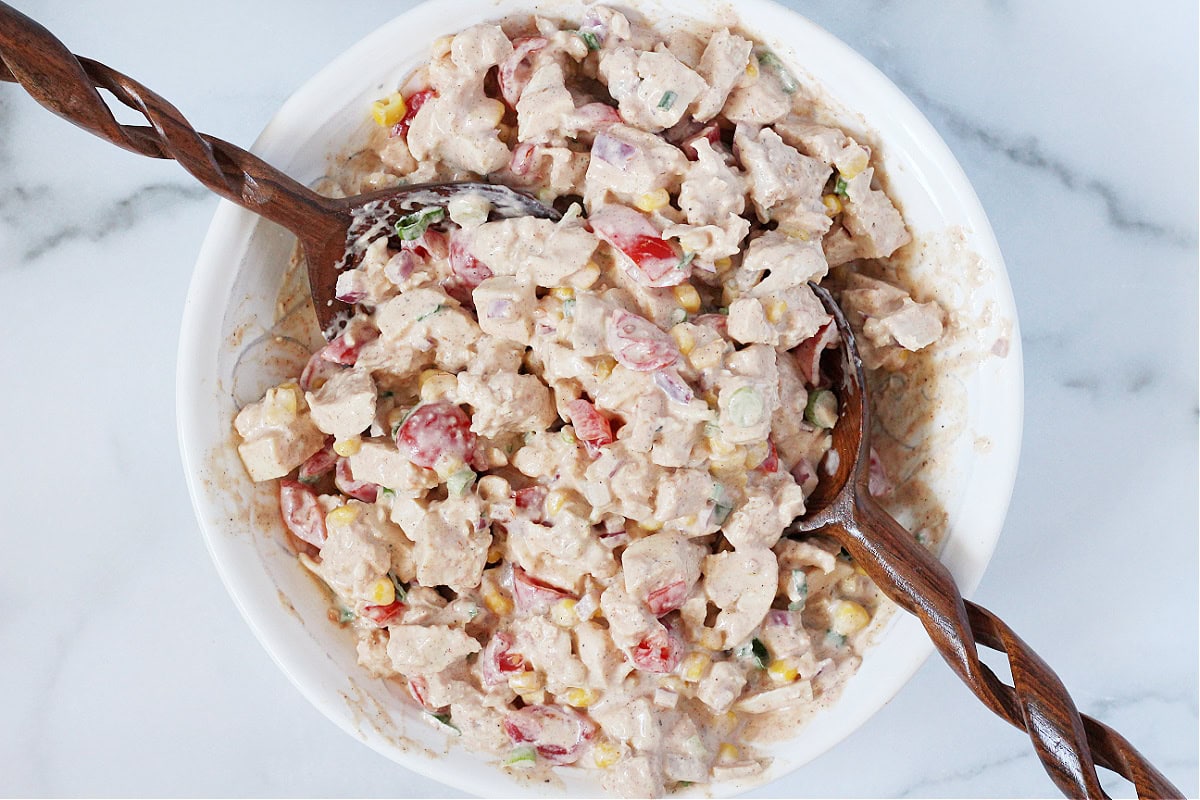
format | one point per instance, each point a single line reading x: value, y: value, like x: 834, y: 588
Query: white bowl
x: 231, y: 305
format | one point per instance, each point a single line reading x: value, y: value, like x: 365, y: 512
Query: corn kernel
x: 585, y: 277
x: 653, y: 201
x: 849, y: 618
x: 563, y: 613
x: 719, y: 448
x: 708, y: 356
x: 382, y: 592
x: 694, y: 667
x: 563, y: 292
x: 833, y: 204
x: 436, y: 385
x: 447, y: 466
x: 347, y: 447
x: 389, y: 110
x: 684, y: 339
x: 672, y: 683
x: 491, y: 112
x: 494, y: 555
x: 853, y: 166
x: 342, y: 515
x: 728, y: 752
x: 525, y: 682
x: 688, y: 297
x: 774, y: 310
x: 604, y: 367
x: 498, y: 604
x: 723, y: 264
x: 711, y: 639
x: 756, y: 453
x: 752, y: 68
x: 281, y: 404
x: 605, y: 754
x: 579, y: 698
x: 555, y: 501
x: 782, y: 670
x: 651, y: 525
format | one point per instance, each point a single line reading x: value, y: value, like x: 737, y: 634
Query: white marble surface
x: 126, y: 669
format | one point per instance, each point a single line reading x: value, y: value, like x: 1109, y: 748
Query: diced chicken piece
x: 506, y: 403
x: 548, y: 649
x: 545, y: 105
x: 627, y: 164
x: 482, y: 727
x: 839, y: 247
x: 682, y: 493
x: 451, y: 547
x: 748, y: 323
x: 712, y: 191
x: 629, y: 621
x: 638, y: 776
x: 461, y: 105
x: 661, y: 570
x: 344, y: 406
x: 277, y: 433
x: 784, y: 635
x: 761, y: 520
x: 685, y: 757
x: 742, y: 584
x: 598, y: 653
x: 774, y: 699
x: 721, y: 687
x: 709, y: 243
x: 653, y: 89
x: 505, y: 306
x: 587, y: 332
x: 759, y: 102
x: 913, y: 326
x: 538, y: 251
x: 382, y: 463
x: 420, y: 650
x: 562, y: 553
x: 621, y: 482
x: 373, y: 655
x: 629, y: 719
x: 354, y: 556
x: 785, y: 185
x: 874, y: 223
x: 790, y: 261
x: 722, y: 65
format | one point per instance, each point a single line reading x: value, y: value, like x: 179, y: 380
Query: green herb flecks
x: 411, y: 227
x: 667, y: 100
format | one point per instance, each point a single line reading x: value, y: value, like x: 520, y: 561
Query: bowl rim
x: 232, y: 228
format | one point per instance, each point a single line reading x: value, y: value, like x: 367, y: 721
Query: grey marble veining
x: 127, y: 669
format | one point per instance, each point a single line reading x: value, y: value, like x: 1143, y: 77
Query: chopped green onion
x: 523, y: 756
x: 746, y: 407
x: 800, y: 589
x: 668, y: 100
x: 590, y: 40
x: 678, y: 315
x: 458, y: 483
x: 345, y: 615
x: 786, y: 81
x: 569, y: 308
x: 684, y: 260
x: 822, y: 409
x: 445, y: 720
x: 723, y: 311
x: 401, y: 589
x: 388, y: 492
x: 412, y: 226
x: 567, y: 436
x: 759, y: 651
x: 839, y: 187
x: 721, y: 513
x: 428, y: 314
x: 404, y: 419
x: 834, y: 639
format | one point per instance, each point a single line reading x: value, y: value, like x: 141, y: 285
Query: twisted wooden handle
x: 33, y: 57
x: 1069, y: 744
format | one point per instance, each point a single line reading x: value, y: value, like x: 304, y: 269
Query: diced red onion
x: 673, y: 386
x: 351, y: 286
x: 500, y: 309
x: 613, y: 150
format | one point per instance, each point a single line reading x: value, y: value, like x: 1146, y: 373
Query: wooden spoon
x: 326, y: 227
x: 1069, y: 744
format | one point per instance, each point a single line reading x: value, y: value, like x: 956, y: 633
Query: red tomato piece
x: 558, y: 734
x: 432, y: 244
x: 345, y: 348
x: 515, y: 72
x: 418, y: 687
x: 808, y: 352
x: 469, y: 270
x: 434, y: 430
x: 771, y: 462
x: 498, y: 661
x: 598, y: 116
x: 711, y: 132
x: 413, y: 104
x: 532, y: 594
x: 667, y: 599
x: 590, y: 425
x: 318, y: 370
x: 531, y: 497
x: 343, y: 478
x: 657, y: 652
x: 652, y: 260
x: 638, y: 343
x: 382, y: 615
x: 319, y: 463
x: 522, y: 158
x: 301, y: 512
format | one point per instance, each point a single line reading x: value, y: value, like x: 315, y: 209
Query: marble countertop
x: 128, y: 671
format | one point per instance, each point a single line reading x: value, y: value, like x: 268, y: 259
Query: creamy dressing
x: 546, y: 469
